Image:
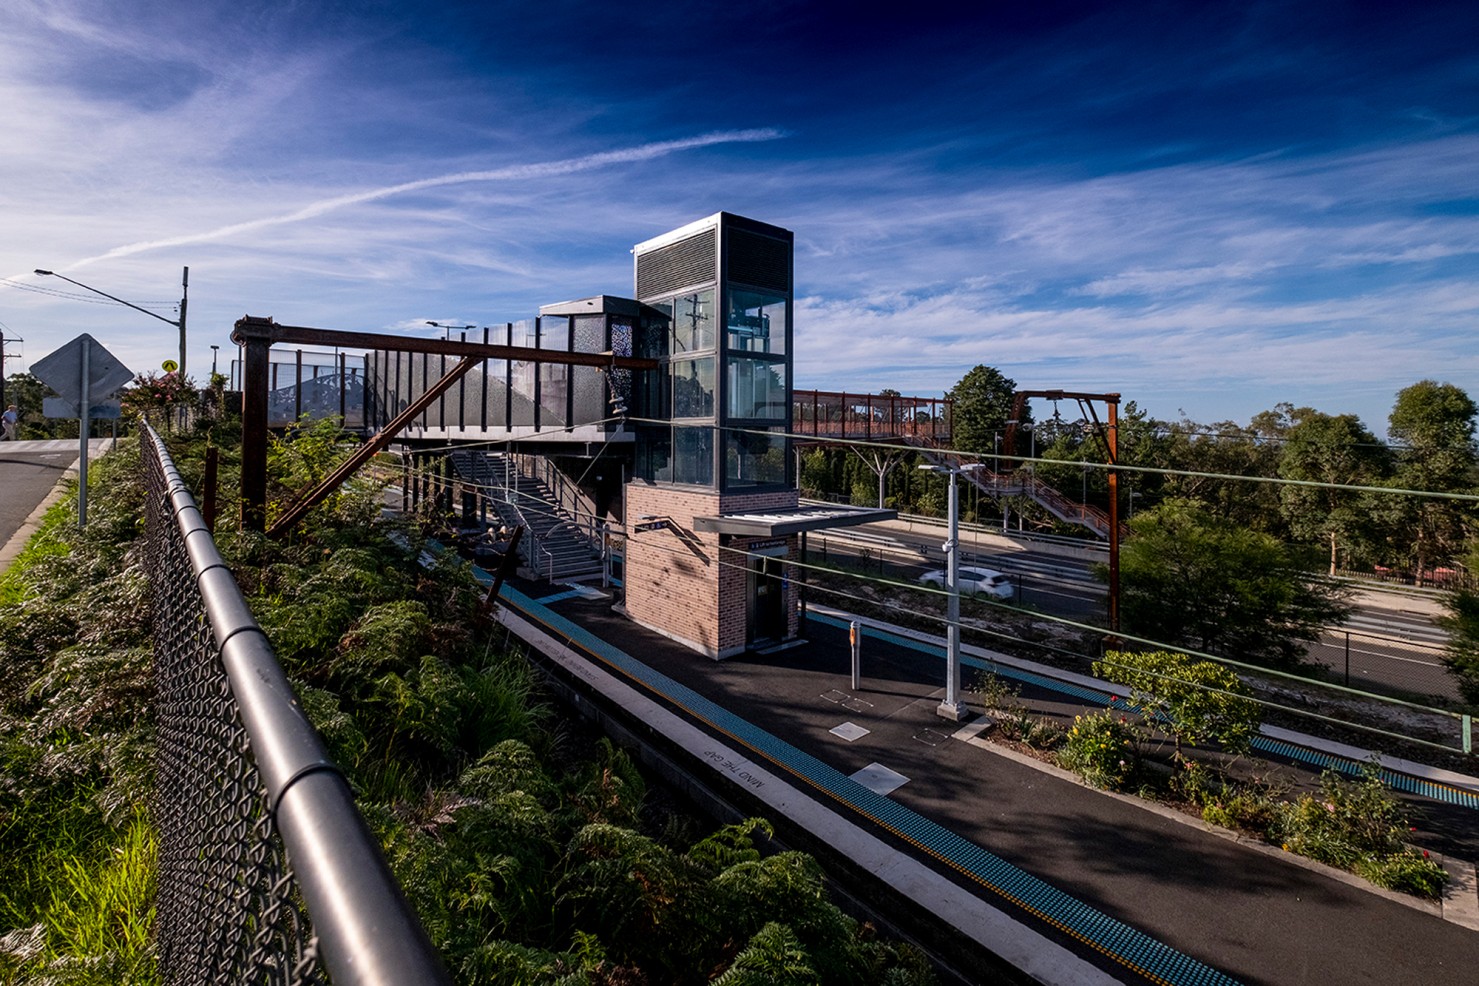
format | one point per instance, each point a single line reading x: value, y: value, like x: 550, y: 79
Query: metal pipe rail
x: 242, y: 777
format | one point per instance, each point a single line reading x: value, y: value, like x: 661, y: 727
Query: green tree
x: 26, y: 393
x: 1223, y: 448
x: 1335, y: 449
x: 1191, y: 578
x: 1196, y: 701
x: 1434, y: 422
x: 1462, y: 623
x: 983, y: 405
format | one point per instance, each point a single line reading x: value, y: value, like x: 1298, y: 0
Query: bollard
x: 855, y: 638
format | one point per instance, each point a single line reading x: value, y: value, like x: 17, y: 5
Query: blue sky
x: 1208, y: 207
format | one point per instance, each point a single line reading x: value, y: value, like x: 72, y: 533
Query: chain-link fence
x: 1386, y: 664
x: 244, y: 785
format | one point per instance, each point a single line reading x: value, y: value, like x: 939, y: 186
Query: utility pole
x: 3, y: 355
x: 184, y: 302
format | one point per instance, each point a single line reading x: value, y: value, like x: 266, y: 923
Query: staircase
x: 1022, y: 483
x: 555, y: 545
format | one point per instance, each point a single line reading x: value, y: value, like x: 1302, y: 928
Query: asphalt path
x: 28, y: 472
x: 1390, y: 643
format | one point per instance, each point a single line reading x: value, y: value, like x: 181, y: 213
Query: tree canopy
x: 1336, y: 450
x: 983, y: 405
x: 1191, y: 578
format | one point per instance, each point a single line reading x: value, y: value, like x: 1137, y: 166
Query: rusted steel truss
x: 257, y: 335
x: 1109, y: 432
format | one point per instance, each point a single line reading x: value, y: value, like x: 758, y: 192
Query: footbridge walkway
x: 925, y: 423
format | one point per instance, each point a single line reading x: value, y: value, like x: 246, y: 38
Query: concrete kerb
x: 1460, y: 903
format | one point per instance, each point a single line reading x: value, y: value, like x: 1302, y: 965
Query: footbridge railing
x: 267, y: 872
x: 869, y: 417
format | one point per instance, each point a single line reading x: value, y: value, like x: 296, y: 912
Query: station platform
x: 1066, y: 883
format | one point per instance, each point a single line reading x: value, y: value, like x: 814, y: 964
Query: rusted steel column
x: 254, y: 335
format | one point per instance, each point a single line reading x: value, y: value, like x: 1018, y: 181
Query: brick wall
x: 677, y: 580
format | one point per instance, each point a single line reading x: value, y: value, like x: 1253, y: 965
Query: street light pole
x: 215, y: 351
x: 952, y: 708
x: 177, y: 323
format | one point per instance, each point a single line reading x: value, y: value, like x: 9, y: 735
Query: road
x: 1390, y: 643
x: 28, y: 471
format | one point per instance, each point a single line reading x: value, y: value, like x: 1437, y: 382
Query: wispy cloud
x: 524, y: 172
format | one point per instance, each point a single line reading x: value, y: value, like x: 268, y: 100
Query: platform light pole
x: 177, y: 323
x: 952, y: 707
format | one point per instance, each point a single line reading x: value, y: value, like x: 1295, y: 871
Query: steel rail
x: 367, y: 933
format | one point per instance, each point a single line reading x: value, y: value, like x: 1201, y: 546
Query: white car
x: 973, y: 582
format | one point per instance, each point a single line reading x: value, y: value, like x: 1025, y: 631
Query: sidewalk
x: 1235, y: 911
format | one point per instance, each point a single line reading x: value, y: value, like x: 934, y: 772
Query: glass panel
x: 620, y: 382
x: 693, y: 388
x: 586, y: 382
x: 655, y: 454
x: 755, y: 459
x: 554, y: 378
x: 523, y: 336
x: 757, y: 321
x: 693, y: 323
x: 693, y: 454
x: 757, y: 389
x: 653, y: 343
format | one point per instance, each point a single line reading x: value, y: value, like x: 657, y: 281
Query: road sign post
x: 78, y: 372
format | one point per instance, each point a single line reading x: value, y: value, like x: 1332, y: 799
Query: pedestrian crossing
x: 61, y: 446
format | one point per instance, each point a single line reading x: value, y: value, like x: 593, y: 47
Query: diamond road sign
x: 62, y: 370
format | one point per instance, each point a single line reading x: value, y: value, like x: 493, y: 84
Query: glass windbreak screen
x: 693, y: 388
x: 524, y: 335
x: 693, y: 322
x: 693, y: 454
x: 757, y: 389
x: 588, y: 384
x: 754, y: 459
x: 757, y: 321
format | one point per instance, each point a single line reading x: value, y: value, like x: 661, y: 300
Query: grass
x: 51, y: 540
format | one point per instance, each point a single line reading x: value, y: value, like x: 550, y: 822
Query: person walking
x: 9, y: 421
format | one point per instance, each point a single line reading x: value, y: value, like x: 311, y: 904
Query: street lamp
x: 215, y: 350
x: 450, y: 328
x: 952, y: 707
x: 184, y: 300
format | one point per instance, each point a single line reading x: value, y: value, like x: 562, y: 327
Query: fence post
x: 1468, y: 733
x: 1348, y: 659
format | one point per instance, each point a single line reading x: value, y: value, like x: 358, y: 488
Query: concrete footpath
x: 1180, y: 901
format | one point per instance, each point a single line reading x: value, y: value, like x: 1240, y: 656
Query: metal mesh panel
x: 225, y: 908
x: 759, y: 260
x: 688, y: 263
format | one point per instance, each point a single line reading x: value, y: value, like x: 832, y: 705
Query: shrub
x: 1358, y: 826
x: 1197, y: 701
x: 1102, y: 748
x: 1411, y: 871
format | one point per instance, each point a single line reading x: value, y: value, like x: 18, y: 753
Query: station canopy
x: 793, y: 520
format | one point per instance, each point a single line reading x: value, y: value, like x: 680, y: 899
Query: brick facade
x: 691, y: 586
